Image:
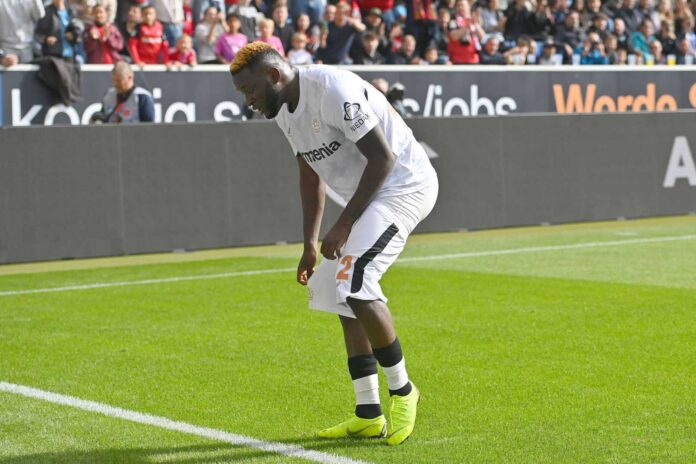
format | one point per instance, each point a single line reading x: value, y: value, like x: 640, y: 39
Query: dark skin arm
x: 380, y: 161
x: 312, y: 194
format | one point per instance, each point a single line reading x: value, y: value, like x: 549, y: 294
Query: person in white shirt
x: 17, y: 24
x: 348, y: 141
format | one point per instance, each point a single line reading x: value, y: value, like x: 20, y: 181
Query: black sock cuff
x: 389, y: 355
x: 362, y: 366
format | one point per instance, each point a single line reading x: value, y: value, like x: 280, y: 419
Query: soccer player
x: 345, y: 135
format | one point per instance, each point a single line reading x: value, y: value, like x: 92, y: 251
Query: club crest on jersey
x: 351, y: 111
x: 316, y: 126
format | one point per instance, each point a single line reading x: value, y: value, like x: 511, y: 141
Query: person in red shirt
x: 148, y: 45
x: 184, y: 52
x: 464, y: 36
x: 102, y: 40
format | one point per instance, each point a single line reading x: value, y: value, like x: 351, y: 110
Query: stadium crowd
x: 408, y: 32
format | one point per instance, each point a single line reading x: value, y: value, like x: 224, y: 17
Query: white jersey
x: 336, y: 109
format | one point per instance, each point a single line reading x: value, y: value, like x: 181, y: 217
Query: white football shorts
x: 376, y: 239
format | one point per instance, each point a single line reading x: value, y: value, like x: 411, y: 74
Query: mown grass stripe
x: 472, y: 254
x: 183, y: 427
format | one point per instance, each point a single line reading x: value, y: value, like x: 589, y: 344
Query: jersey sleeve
x: 346, y: 109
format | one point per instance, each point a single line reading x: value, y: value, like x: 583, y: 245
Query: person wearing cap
x: 375, y: 26
x: 368, y: 6
x: 548, y: 52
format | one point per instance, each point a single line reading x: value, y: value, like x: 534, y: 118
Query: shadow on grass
x: 194, y: 454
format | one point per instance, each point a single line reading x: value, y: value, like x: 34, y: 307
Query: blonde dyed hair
x: 249, y: 54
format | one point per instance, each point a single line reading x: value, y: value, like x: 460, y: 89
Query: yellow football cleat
x: 402, y: 416
x: 357, y: 427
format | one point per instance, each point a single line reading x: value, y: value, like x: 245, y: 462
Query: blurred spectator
x: 199, y: 7
x: 381, y: 84
x: 668, y: 38
x: 395, y: 96
x: 640, y: 40
x: 647, y: 11
x: 329, y: 14
x: 491, y: 52
x: 522, y: 53
x: 685, y: 52
x: 17, y: 24
x: 423, y: 22
x: 130, y: 27
x: 369, y: 50
x: 184, y: 52
x: 493, y: 19
x: 111, y: 7
x: 282, y: 28
x: 123, y: 10
x: 382, y: 5
x: 266, y: 35
x: 518, y: 20
x: 585, y: 17
x: 621, y: 56
x: 687, y: 31
x: 630, y: 16
x: 682, y: 12
x: 148, y: 45
x: 600, y: 26
x: 312, y: 8
x: 559, y: 10
x: 229, y: 43
x: 592, y: 51
x: 248, y: 15
x: 611, y: 48
x: 407, y: 54
x: 665, y: 11
x: 656, y: 53
x: 464, y: 36
x: 171, y: 14
x: 303, y: 25
x: 207, y: 33
x: 298, y: 53
x: 375, y: 24
x: 548, y: 53
x: 441, y: 36
x: 124, y: 102
x: 338, y: 36
x: 103, y: 41
x: 542, y: 21
x: 432, y: 56
x: 622, y: 36
x: 569, y: 35
x: 188, y: 24
x: 58, y: 31
x: 594, y: 8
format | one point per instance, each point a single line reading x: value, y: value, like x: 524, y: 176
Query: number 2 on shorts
x: 347, y: 262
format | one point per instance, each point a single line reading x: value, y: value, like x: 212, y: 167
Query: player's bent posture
x: 345, y: 135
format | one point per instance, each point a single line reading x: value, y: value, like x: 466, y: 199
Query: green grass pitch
x: 564, y: 355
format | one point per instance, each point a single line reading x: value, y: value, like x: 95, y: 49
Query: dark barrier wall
x: 112, y: 190
x: 207, y: 94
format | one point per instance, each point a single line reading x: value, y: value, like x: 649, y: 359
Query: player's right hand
x: 306, y: 267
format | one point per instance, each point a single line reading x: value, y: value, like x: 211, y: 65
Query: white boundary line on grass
x: 183, y: 427
x: 473, y: 254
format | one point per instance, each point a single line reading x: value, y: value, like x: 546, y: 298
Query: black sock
x: 359, y: 367
x: 391, y: 356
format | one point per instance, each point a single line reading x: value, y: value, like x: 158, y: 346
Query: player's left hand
x: 334, y: 240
